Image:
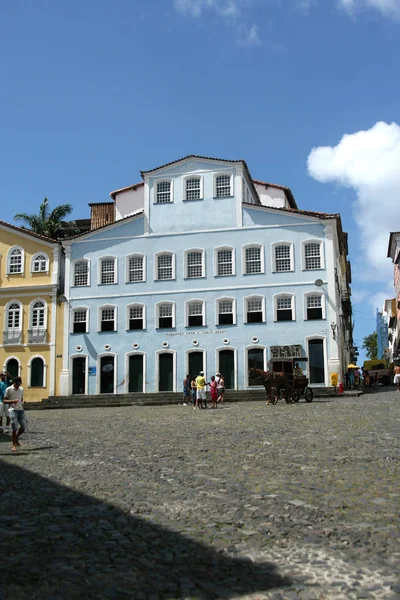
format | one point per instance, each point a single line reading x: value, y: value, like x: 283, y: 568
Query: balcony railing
x: 37, y: 336
x: 12, y: 337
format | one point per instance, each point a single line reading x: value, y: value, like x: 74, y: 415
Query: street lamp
x: 333, y: 327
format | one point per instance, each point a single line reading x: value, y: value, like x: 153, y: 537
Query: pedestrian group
x: 194, y: 390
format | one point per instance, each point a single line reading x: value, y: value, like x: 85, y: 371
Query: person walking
x: 4, y: 410
x: 186, y: 390
x: 396, y: 380
x: 194, y: 391
x: 221, y: 388
x: 14, y: 396
x: 201, y: 390
x: 351, y: 379
x: 366, y: 380
x: 214, y: 392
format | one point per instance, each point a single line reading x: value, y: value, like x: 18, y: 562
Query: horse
x: 273, y: 381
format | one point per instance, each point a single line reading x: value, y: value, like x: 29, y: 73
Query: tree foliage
x: 370, y: 345
x: 47, y: 222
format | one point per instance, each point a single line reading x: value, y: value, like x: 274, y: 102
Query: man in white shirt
x: 14, y: 397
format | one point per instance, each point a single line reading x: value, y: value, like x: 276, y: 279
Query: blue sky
x: 92, y: 92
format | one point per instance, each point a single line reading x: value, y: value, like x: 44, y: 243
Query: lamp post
x: 333, y: 327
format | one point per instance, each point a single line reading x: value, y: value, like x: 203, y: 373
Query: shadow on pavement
x: 56, y: 542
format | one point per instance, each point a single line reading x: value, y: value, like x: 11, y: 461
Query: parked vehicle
x: 379, y: 367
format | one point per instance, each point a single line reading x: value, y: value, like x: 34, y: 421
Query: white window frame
x: 127, y: 319
x: 9, y: 253
x: 80, y: 260
x: 21, y: 316
x: 99, y: 321
x: 6, y: 361
x: 323, y: 304
x: 74, y: 310
x: 156, y: 256
x: 234, y: 310
x: 262, y: 257
x: 246, y: 365
x: 219, y: 174
x: 245, y: 304
x: 273, y: 256
x: 321, y: 251
x: 99, y: 269
x: 34, y: 259
x: 30, y: 325
x: 143, y: 256
x: 219, y: 249
x: 203, y: 262
x: 195, y: 301
x: 171, y: 190
x: 157, y: 309
x: 284, y: 295
x: 44, y: 372
x: 186, y: 178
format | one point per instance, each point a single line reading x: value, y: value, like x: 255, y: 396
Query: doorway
x: 227, y: 367
x: 316, y: 361
x: 166, y: 372
x: 136, y: 373
x: 196, y: 363
x: 107, y: 373
x: 12, y: 367
x: 255, y: 360
x: 79, y: 375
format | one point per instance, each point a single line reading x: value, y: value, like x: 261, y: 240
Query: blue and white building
x: 200, y: 267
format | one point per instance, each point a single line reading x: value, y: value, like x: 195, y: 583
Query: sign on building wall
x: 286, y: 351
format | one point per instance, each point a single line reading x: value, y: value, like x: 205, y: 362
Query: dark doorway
x: 107, y: 368
x: 196, y: 363
x: 136, y: 373
x: 166, y: 372
x: 12, y: 367
x: 227, y: 367
x: 282, y: 366
x: 79, y: 375
x: 316, y: 361
x: 255, y: 360
x: 37, y: 372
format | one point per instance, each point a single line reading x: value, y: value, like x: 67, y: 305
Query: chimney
x: 101, y: 213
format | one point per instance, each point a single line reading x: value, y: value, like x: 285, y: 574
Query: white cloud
x: 358, y: 296
x: 229, y: 10
x: 390, y: 8
x: 368, y: 162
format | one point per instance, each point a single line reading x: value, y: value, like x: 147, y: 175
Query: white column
x: 332, y: 309
x: 64, y: 376
x: 53, y: 327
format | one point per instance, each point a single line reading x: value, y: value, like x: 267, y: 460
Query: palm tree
x: 48, y: 223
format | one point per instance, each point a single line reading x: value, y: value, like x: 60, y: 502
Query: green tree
x: 370, y: 345
x: 47, y: 222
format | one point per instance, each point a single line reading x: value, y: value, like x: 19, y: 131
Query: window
x: 312, y: 256
x: 314, y: 307
x: 14, y: 320
x: 39, y: 315
x: 40, y: 263
x: 284, y: 308
x: 223, y: 186
x: 163, y: 192
x: 15, y: 261
x: 37, y: 372
x: 135, y: 317
x: 194, y: 264
x: 254, y: 310
x: 135, y: 268
x: 165, y: 266
x: 255, y: 360
x: 195, y: 313
x: 107, y: 270
x: 165, y: 316
x: 226, y: 314
x: 225, y: 262
x: 107, y: 318
x: 283, y: 259
x: 81, y: 273
x: 253, y: 260
x: 80, y: 321
x: 193, y: 188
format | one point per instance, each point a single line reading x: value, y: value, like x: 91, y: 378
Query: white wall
x: 271, y: 196
x: 128, y: 202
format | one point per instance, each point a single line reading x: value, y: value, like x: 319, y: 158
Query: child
x: 214, y: 392
x: 194, y: 391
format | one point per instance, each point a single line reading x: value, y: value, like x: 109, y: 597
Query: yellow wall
x: 29, y: 286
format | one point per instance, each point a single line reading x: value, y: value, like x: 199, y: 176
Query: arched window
x: 81, y: 273
x: 312, y: 255
x: 108, y: 270
x: 254, y: 309
x: 226, y: 311
x: 222, y: 185
x: 163, y: 193
x: 13, y: 323
x: 194, y: 263
x: 193, y: 188
x: 135, y: 317
x: 15, y: 260
x: 165, y: 266
x: 253, y: 259
x: 37, y: 368
x: 284, y: 307
x: 38, y: 322
x: 40, y: 263
x: 135, y: 268
x: 165, y: 315
x: 282, y: 257
x: 224, y: 261
x: 195, y: 313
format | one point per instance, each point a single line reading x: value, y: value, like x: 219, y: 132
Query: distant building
x: 201, y: 267
x: 382, y: 333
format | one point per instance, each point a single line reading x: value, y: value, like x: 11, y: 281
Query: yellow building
x: 30, y: 269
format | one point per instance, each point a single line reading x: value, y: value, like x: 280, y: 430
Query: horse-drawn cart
x: 289, y: 385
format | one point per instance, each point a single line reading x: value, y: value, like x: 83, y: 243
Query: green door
x: 136, y: 373
x: 227, y: 367
x: 79, y: 375
x: 107, y: 368
x: 166, y: 372
x: 316, y: 361
x: 195, y: 363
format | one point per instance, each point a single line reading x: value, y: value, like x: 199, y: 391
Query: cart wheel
x: 308, y: 394
x: 296, y: 395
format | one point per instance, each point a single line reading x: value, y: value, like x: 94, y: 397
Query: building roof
x: 136, y: 213
x: 134, y: 186
x: 101, y: 203
x: 287, y: 190
x: 391, y: 240
x: 297, y: 211
x: 28, y: 232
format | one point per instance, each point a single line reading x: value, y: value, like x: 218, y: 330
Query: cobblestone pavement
x: 249, y: 501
